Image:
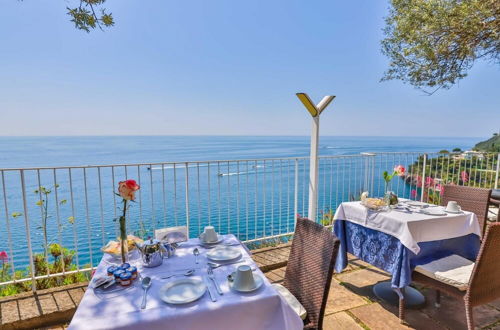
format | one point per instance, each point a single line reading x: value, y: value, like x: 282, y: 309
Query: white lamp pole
x: 315, y: 111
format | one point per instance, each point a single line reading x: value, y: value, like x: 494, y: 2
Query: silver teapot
x: 151, y: 252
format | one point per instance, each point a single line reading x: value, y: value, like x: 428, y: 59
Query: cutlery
x: 146, y: 284
x: 214, y: 265
x: 110, y: 283
x: 212, y: 277
x: 196, y: 253
x: 212, y: 296
x: 188, y: 273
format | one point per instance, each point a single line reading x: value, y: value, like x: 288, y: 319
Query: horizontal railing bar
x: 267, y: 237
x: 363, y: 154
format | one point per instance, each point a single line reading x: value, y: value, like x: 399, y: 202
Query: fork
x: 212, y: 277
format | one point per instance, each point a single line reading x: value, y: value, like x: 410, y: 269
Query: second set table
x: 398, y: 240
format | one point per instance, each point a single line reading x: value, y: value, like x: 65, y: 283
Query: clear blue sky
x: 220, y: 67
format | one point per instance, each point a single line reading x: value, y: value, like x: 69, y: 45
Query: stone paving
x: 352, y: 305
x: 351, y: 302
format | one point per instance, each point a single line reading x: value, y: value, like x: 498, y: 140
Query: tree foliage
x: 432, y: 44
x: 90, y: 14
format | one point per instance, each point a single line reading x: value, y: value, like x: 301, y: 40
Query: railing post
x: 187, y: 196
x: 28, y: 235
x: 368, y: 171
x: 296, y: 193
x: 423, y: 177
x: 497, y: 171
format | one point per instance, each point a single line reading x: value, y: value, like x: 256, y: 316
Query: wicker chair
x: 470, y: 199
x: 495, y: 200
x: 484, y: 283
x: 310, y: 268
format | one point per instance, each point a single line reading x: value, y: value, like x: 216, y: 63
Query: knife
x: 212, y: 296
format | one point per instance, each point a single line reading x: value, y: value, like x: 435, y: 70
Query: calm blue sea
x: 250, y: 199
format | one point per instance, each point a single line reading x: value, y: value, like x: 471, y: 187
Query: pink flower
x: 127, y: 189
x: 429, y: 181
x: 440, y: 188
x: 413, y: 193
x: 4, y: 256
x: 419, y: 181
x: 464, y: 176
x: 399, y: 170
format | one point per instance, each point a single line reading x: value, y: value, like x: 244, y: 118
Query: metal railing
x: 255, y: 199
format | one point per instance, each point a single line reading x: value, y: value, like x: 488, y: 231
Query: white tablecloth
x: 263, y: 309
x: 410, y: 228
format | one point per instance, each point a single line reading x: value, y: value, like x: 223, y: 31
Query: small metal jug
x: 151, y: 252
x: 169, y: 249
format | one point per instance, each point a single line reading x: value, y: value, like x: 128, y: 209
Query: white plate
x: 182, y: 291
x: 258, y: 280
x: 219, y: 239
x: 434, y: 211
x: 416, y: 204
x: 224, y: 253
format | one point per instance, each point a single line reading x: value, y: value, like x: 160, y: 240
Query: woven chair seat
x: 452, y: 270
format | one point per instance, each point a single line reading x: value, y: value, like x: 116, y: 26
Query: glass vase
x: 390, y: 198
x: 123, y: 240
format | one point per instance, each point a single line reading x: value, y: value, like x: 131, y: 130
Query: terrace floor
x: 351, y: 303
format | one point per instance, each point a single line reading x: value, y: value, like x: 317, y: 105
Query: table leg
x: 412, y: 297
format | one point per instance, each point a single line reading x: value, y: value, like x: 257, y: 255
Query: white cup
x: 209, y: 235
x: 453, y: 207
x: 243, y: 278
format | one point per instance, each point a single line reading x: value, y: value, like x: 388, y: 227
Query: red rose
x: 127, y: 189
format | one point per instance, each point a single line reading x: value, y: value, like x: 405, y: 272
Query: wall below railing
x: 255, y: 199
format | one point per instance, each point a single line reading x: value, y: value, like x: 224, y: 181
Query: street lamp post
x: 315, y: 111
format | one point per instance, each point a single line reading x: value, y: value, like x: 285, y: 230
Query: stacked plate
x: 224, y: 253
x: 436, y: 211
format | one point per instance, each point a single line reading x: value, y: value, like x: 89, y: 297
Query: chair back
x: 484, y: 284
x: 471, y: 199
x: 310, y: 268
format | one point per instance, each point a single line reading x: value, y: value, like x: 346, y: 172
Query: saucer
x: 453, y: 212
x: 417, y: 204
x: 220, y: 238
x: 258, y: 281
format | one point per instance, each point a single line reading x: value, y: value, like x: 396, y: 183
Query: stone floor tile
x: 273, y: 277
x: 340, y: 321
x: 415, y: 318
x: 9, y: 311
x: 495, y: 304
x: 280, y: 271
x: 376, y: 317
x: 340, y: 299
x: 361, y: 281
x: 452, y: 312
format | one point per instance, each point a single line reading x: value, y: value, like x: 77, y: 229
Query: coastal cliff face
x: 490, y: 145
